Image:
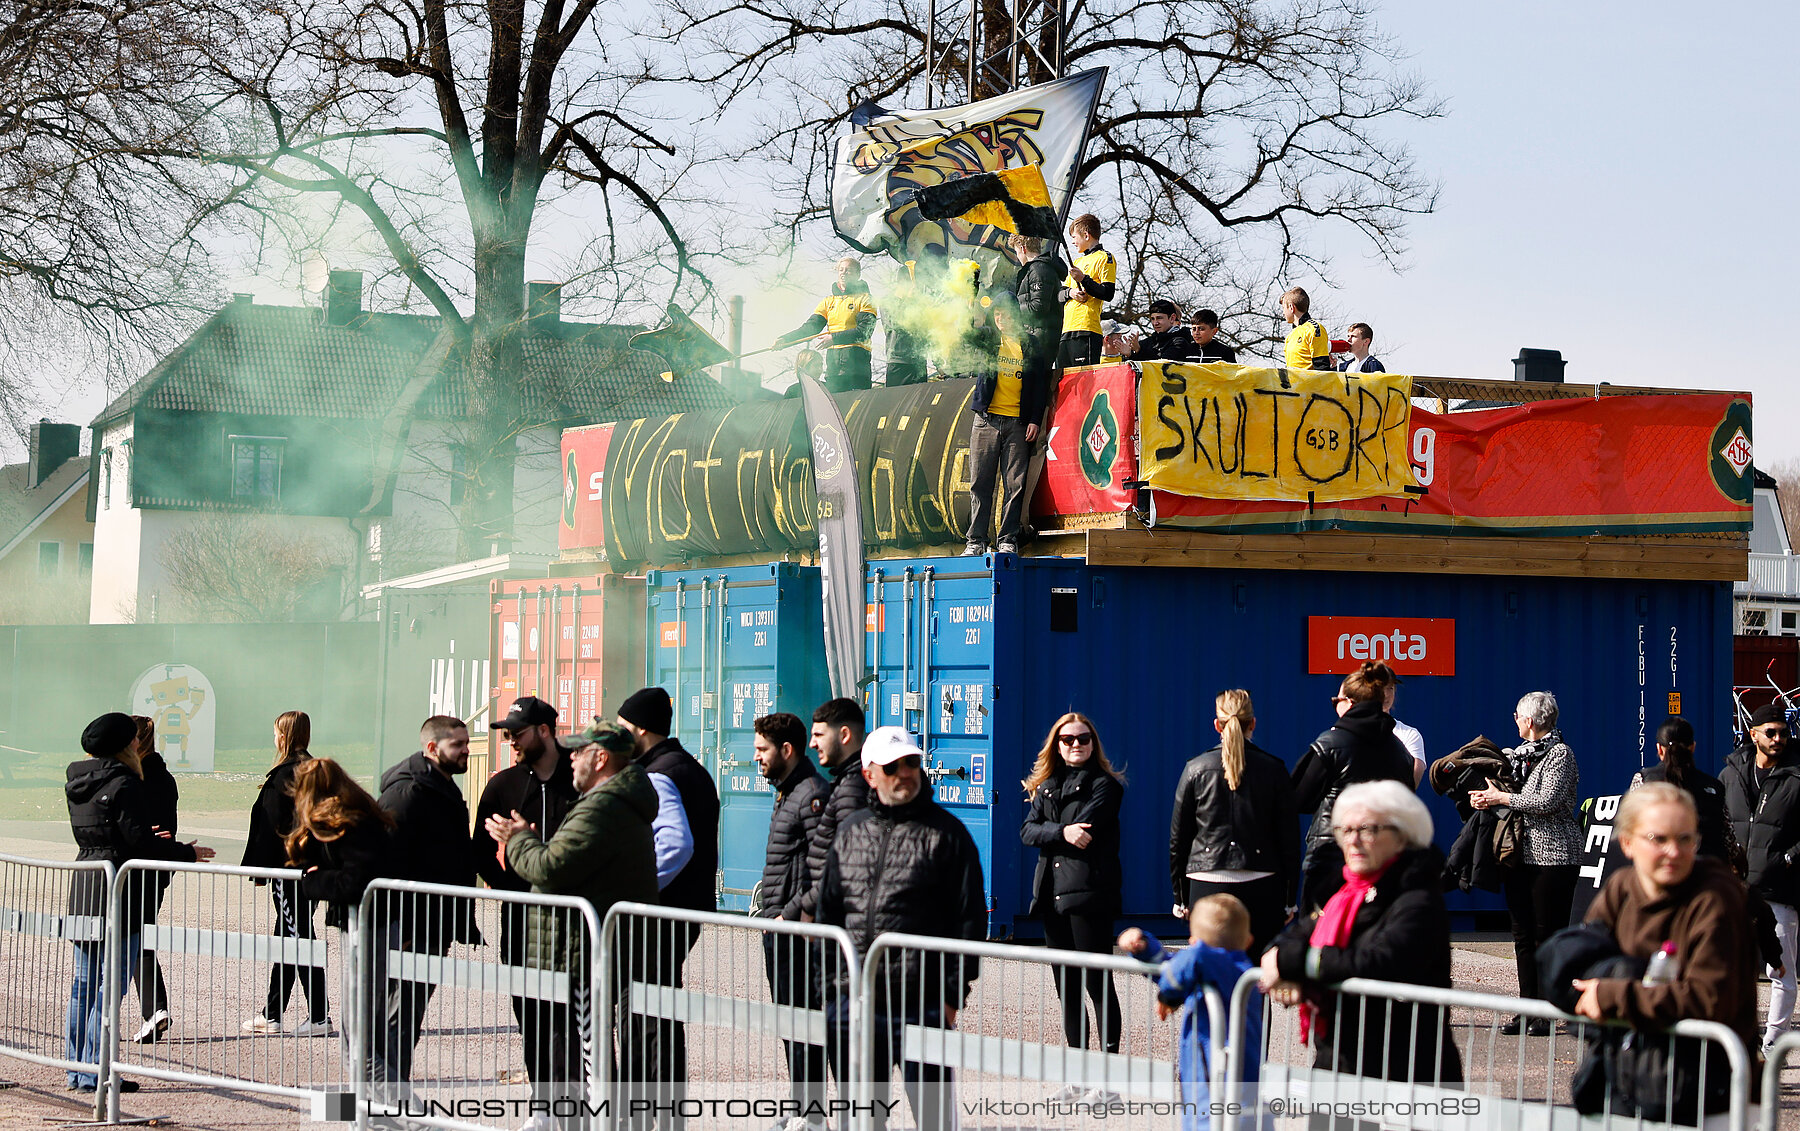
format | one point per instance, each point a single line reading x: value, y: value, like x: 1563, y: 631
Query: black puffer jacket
x: 1040, y: 311
x: 848, y: 793
x: 272, y: 817
x: 695, y: 887
x: 1214, y: 828
x: 1076, y: 881
x: 345, y: 866
x: 1708, y: 793
x: 163, y: 798
x: 1401, y: 934
x: 517, y: 789
x: 431, y: 845
x: 909, y: 868
x: 1359, y: 747
x: 1767, y: 823
x: 110, y: 817
x: 799, y: 803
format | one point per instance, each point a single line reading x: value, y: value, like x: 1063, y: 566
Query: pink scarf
x: 1333, y: 929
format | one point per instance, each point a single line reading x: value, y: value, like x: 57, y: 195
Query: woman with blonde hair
x: 1075, y: 796
x: 1233, y: 827
x: 271, y: 819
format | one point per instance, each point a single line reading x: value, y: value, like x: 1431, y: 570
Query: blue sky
x: 1616, y: 181
x: 1616, y: 185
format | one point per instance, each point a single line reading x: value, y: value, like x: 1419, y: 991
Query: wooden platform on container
x: 1666, y: 558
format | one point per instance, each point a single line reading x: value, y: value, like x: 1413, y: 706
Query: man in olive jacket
x: 602, y: 852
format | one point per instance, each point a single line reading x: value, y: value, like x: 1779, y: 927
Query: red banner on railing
x: 1674, y: 463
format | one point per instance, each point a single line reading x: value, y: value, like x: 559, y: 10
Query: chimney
x: 52, y: 445
x: 543, y: 306
x: 1539, y: 365
x: 343, y: 297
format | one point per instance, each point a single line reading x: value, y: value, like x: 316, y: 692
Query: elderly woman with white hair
x: 1540, y: 888
x: 1387, y: 922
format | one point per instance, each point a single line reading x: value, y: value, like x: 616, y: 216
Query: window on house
x: 84, y: 558
x: 49, y: 558
x: 1790, y: 622
x: 1755, y: 622
x: 256, y: 467
x: 106, y: 479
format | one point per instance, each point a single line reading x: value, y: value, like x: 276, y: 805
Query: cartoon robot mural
x: 180, y: 699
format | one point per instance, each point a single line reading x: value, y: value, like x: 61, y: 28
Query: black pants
x: 550, y: 1031
x: 928, y: 1086
x: 394, y: 1031
x: 847, y: 368
x: 654, y: 1058
x: 152, y: 991
x: 794, y: 966
x: 997, y: 447
x: 1266, y: 899
x: 1537, y: 900
x: 1094, y: 935
x: 1080, y: 347
x: 293, y: 920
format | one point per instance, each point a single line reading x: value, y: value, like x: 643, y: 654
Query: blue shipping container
x: 978, y: 656
x: 731, y: 645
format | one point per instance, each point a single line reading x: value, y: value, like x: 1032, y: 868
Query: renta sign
x: 1410, y: 645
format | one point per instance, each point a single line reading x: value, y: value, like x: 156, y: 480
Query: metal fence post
x: 355, y: 1006
x: 112, y: 965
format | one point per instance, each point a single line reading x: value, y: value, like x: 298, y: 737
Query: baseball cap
x: 887, y: 745
x: 527, y: 711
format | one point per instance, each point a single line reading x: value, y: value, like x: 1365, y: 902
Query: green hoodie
x: 602, y: 852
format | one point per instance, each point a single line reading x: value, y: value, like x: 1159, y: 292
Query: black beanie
x: 109, y: 735
x: 649, y: 709
x: 1769, y: 713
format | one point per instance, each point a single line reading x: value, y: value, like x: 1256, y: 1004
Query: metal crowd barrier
x: 725, y: 1020
x: 1006, y: 1056
x: 230, y: 970
x: 1776, y: 1060
x: 43, y: 945
x: 476, y: 1008
x: 1507, y: 1081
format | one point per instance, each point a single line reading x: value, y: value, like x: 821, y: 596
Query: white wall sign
x: 181, y: 702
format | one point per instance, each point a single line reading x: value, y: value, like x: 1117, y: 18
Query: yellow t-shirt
x: 1005, y: 401
x: 1083, y: 311
x: 840, y: 311
x: 1307, y: 341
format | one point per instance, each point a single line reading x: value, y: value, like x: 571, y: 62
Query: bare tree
x: 1232, y: 136
x: 1786, y: 474
x: 436, y: 133
x: 245, y: 568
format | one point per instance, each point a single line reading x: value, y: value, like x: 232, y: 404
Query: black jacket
x: 799, y: 802
x: 345, y: 867
x: 1215, y: 828
x: 517, y: 789
x: 1708, y: 793
x: 1174, y: 344
x: 1472, y: 863
x: 1402, y: 934
x: 1076, y: 881
x: 431, y: 845
x: 1214, y: 350
x: 1767, y: 823
x: 1040, y: 311
x: 272, y: 818
x: 695, y: 887
x: 110, y: 815
x: 1360, y: 747
x: 909, y: 868
x: 848, y: 793
x: 164, y: 805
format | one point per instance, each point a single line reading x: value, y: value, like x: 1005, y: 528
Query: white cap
x: 887, y: 745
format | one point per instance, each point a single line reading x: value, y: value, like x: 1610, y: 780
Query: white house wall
x: 118, y: 530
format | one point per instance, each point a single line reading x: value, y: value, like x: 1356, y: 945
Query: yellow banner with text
x: 1242, y: 432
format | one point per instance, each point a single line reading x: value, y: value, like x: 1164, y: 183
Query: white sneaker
x: 1067, y: 1094
x: 1100, y: 1097
x: 314, y: 1028
x: 539, y: 1123
x: 155, y: 1027
x: 261, y: 1024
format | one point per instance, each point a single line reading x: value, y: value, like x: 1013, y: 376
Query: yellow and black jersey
x: 1007, y: 387
x: 848, y: 316
x: 1081, y: 309
x: 1308, y: 346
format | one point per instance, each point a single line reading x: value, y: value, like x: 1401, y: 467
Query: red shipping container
x: 575, y: 642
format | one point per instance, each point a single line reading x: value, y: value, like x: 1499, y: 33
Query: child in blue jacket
x: 1218, y: 934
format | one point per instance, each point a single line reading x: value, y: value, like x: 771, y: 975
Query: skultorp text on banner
x: 1241, y: 432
